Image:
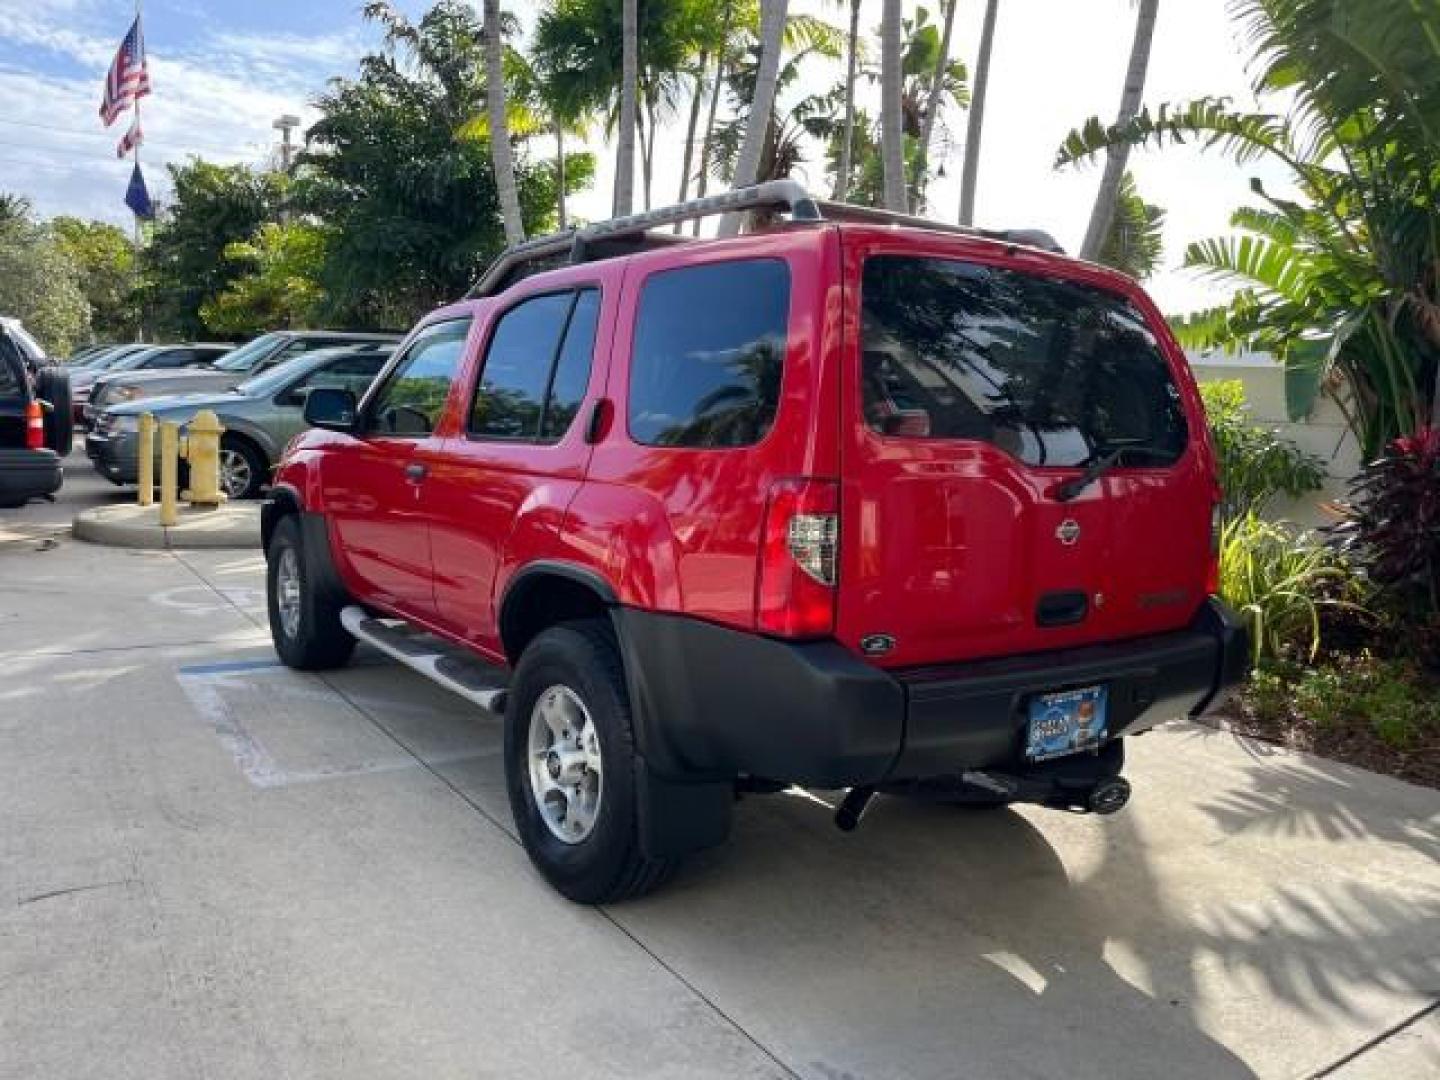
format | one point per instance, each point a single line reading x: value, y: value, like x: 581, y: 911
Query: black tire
x: 53, y: 386
x: 255, y: 463
x: 608, y: 864
x: 318, y: 641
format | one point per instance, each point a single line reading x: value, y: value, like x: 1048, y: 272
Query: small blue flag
x: 137, y: 198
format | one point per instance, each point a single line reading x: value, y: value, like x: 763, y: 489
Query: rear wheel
x: 570, y: 766
x: 243, y: 470
x: 52, y: 386
x: 304, y: 626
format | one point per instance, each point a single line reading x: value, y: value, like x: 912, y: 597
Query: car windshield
x: 280, y: 376
x: 244, y: 358
x: 133, y: 360
x: 110, y: 361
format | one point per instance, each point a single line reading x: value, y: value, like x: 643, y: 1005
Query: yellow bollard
x: 169, y: 473
x: 146, y: 439
x: 202, y: 451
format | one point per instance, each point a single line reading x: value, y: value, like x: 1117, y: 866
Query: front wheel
x: 570, y: 766
x: 243, y: 471
x: 304, y: 625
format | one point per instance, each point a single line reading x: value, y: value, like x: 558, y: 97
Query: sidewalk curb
x: 233, y: 526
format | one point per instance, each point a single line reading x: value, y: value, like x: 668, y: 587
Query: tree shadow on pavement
x: 940, y: 942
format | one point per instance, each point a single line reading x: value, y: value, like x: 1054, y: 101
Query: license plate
x: 1065, y: 722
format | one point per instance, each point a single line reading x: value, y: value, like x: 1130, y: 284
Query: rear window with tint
x: 1053, y: 372
x: 709, y: 354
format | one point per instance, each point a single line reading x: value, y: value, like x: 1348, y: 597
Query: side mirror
x: 331, y: 408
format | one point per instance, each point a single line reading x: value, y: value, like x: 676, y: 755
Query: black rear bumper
x: 714, y: 702
x: 28, y: 474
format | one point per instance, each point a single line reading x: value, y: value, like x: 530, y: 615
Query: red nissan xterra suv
x: 854, y: 501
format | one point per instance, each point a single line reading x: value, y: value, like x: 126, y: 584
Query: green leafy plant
x: 1256, y: 463
x: 1392, y: 697
x: 1397, y: 524
x: 1280, y: 581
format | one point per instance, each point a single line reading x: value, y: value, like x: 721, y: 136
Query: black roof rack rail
x: 623, y: 235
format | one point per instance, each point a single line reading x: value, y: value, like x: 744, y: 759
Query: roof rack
x: 626, y: 235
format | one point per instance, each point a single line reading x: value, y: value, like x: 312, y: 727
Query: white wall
x: 1324, y: 433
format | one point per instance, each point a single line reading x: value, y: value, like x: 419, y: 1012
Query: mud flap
x: 676, y: 819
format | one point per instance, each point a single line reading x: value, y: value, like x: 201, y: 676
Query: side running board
x: 473, y: 679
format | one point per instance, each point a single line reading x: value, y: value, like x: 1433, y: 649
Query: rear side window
x: 537, y: 368
x: 709, y: 354
x: 1051, y: 371
x: 9, y: 380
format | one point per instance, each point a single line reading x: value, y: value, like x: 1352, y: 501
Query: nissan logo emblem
x: 1067, y: 532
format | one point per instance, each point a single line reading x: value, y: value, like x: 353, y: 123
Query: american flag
x: 131, y: 139
x: 128, y: 80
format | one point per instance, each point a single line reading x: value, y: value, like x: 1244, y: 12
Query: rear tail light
x: 799, y: 559
x: 34, y: 426
x: 1212, y: 575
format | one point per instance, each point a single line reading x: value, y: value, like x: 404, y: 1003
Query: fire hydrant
x: 201, y: 448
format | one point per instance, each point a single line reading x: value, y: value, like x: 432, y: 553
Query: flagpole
x: 135, y: 150
x: 135, y: 156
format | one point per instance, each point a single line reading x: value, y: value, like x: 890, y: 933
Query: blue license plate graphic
x: 1065, y: 722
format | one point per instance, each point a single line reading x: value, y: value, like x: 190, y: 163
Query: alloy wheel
x: 566, y: 772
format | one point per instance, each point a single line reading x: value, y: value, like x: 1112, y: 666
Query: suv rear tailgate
x: 978, y: 381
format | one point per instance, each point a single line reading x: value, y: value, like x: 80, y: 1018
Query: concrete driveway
x: 211, y: 866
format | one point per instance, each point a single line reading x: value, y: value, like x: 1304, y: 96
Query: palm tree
x: 1338, y: 279
x: 624, y: 201
x: 847, y: 148
x: 892, y: 131
x: 1135, y: 243
x: 932, y: 107
x: 500, y: 154
x: 1118, y: 156
x: 772, y: 29
x: 711, y: 42
x: 724, y: 52
x: 973, y: 130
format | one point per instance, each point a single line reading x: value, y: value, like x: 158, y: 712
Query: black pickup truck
x: 36, y: 426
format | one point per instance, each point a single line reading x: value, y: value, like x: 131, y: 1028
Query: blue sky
x: 221, y: 73
x: 223, y: 70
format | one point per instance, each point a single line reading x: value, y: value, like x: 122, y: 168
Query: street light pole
x: 285, y: 125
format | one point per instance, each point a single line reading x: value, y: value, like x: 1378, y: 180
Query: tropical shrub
x: 1397, y: 524
x: 1280, y: 581
x: 1256, y: 463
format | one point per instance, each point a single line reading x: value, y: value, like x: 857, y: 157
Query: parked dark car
x: 263, y: 353
x: 35, y: 420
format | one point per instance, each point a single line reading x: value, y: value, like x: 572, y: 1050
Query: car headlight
x: 128, y: 393
x: 122, y: 425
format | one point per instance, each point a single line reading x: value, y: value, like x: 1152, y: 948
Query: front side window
x: 537, y: 368
x: 1053, y: 372
x: 709, y: 354
x: 413, y: 397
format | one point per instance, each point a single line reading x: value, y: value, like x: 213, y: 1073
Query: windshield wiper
x: 1097, y: 468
